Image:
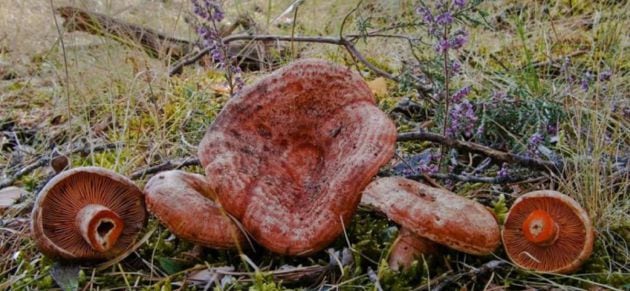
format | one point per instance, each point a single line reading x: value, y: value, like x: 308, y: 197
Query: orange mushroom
x: 185, y: 205
x: 289, y: 155
x: 547, y: 231
x: 87, y: 213
x: 432, y: 215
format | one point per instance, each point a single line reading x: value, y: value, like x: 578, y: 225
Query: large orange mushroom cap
x: 547, y: 231
x: 435, y: 214
x: 184, y: 203
x: 87, y: 213
x: 289, y: 155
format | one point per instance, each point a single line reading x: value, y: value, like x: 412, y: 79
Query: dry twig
x: 165, y: 166
x: 44, y: 160
x: 481, y: 149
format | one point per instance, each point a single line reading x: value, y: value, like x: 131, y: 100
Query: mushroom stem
x: 408, y: 247
x: 540, y: 228
x: 99, y: 226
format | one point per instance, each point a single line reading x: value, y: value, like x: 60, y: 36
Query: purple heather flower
x: 460, y: 94
x: 586, y: 81
x: 459, y: 39
x: 480, y: 130
x: 534, y: 141
x: 210, y: 13
x: 459, y: 3
x: 503, y: 172
x: 428, y: 169
x: 605, y: 75
x: 427, y: 16
x: 442, y: 46
x: 462, y: 119
x: 552, y: 129
x: 456, y: 67
x: 498, y: 97
x: 444, y: 19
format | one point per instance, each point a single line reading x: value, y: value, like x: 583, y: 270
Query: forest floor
x: 554, y: 70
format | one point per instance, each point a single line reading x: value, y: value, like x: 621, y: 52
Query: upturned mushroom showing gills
x: 547, y: 231
x: 185, y: 205
x: 289, y: 155
x: 87, y: 213
x: 434, y: 214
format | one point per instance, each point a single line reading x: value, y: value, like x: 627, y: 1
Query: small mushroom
x: 185, y: 205
x: 289, y: 155
x: 547, y: 231
x: 433, y: 214
x: 87, y: 213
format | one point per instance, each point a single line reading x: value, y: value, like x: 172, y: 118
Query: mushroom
x: 87, y: 213
x: 289, y: 155
x: 185, y: 205
x: 433, y: 215
x: 547, y: 231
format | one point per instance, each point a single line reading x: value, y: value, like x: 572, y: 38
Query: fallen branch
x: 45, y: 160
x: 341, y: 41
x: 473, y: 274
x: 472, y: 179
x: 159, y: 45
x: 286, y: 274
x: 165, y: 166
x: 154, y: 43
x: 481, y: 149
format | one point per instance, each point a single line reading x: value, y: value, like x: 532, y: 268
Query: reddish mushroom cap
x: 289, y: 155
x: 438, y: 215
x: 547, y: 231
x: 87, y: 213
x: 185, y: 205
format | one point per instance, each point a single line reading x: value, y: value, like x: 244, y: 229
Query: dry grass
x: 116, y: 94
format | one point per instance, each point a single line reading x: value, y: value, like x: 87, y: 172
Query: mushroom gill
x: 547, y: 231
x: 87, y: 213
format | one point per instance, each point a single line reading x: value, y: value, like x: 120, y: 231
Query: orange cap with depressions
x: 87, y: 213
x: 289, y: 155
x: 547, y: 231
x: 185, y: 205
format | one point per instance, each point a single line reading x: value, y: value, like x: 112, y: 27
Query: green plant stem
x: 446, y: 99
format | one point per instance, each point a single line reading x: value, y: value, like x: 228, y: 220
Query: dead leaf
x: 66, y: 275
x: 378, y: 86
x: 9, y: 195
x: 220, y: 88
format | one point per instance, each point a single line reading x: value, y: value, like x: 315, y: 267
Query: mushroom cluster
x: 87, y: 213
x: 287, y: 162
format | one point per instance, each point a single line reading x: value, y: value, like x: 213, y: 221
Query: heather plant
x: 449, y: 38
x: 210, y: 14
